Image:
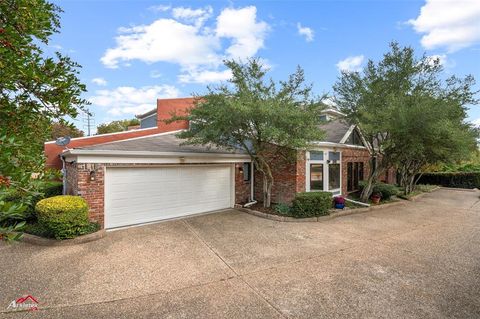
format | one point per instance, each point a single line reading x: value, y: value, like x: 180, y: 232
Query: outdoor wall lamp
x: 92, y: 175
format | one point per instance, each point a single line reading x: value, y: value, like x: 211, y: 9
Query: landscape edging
x: 41, y: 241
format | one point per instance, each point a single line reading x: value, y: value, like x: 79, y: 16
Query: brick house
x: 154, y: 176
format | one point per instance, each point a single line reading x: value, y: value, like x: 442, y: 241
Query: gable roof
x: 335, y: 130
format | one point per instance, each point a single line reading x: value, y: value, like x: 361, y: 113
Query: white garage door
x: 141, y: 195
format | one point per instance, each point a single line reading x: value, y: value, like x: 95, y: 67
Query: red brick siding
x: 242, y: 188
x: 390, y: 176
x: 354, y: 155
x: 79, y: 183
x: 288, y: 177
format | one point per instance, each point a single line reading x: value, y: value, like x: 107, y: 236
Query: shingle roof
x: 335, y: 130
x: 158, y: 143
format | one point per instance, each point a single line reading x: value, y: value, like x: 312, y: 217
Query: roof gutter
x: 151, y: 154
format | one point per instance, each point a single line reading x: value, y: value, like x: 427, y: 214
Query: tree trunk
x: 267, y: 181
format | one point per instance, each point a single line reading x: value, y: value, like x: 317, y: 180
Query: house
x: 155, y: 176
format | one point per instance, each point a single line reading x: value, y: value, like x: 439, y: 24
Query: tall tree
x: 35, y: 89
x: 257, y: 115
x: 371, y: 99
x: 116, y: 126
x: 62, y: 128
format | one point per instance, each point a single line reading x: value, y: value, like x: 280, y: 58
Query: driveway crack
x: 237, y: 275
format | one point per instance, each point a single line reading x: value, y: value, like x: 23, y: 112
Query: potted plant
x: 376, y: 197
x: 339, y: 202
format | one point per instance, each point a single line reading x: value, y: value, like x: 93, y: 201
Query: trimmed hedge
x: 311, y: 204
x: 386, y: 191
x: 63, y: 216
x: 452, y: 179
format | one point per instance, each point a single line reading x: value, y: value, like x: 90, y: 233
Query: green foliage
x: 11, y: 220
x: 405, y: 107
x: 282, y: 209
x: 116, y: 126
x: 452, y: 179
x: 386, y: 191
x: 35, y: 89
x: 311, y: 204
x: 253, y: 113
x: 40, y: 230
x: 63, y: 216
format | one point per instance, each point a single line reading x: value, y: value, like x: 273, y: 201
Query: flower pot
x: 339, y: 206
x: 375, y: 199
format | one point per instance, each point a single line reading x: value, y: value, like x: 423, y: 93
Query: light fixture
x: 92, y: 175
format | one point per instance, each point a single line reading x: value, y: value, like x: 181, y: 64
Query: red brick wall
x: 288, y: 177
x: 79, y: 183
x: 164, y: 109
x: 354, y: 155
x: 242, y: 188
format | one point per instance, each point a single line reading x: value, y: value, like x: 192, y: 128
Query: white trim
x: 325, y: 164
x: 108, y: 134
x: 146, y: 117
x: 347, y: 135
x: 173, y: 158
x: 252, y: 183
x: 107, y: 153
x: 333, y: 111
x: 331, y: 144
x: 232, y: 185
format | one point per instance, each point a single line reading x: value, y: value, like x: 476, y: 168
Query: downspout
x: 64, y: 175
x: 252, y: 191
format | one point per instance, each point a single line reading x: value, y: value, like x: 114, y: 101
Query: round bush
x: 311, y: 204
x: 63, y: 216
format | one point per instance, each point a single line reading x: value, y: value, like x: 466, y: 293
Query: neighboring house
x: 149, y: 178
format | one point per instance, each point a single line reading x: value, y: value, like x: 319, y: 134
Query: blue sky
x: 135, y: 51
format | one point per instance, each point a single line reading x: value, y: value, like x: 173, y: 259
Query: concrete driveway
x: 416, y: 260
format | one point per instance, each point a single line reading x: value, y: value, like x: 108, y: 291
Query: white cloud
x: 99, y: 81
x: 127, y: 100
x: 306, y: 32
x: 196, y: 16
x: 241, y: 26
x: 453, y: 24
x: 196, y: 76
x: 351, y: 64
x: 193, y: 40
x: 160, y: 8
x: 476, y: 122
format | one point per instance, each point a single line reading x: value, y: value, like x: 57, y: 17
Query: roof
x: 335, y: 130
x: 165, y: 142
x: 144, y: 115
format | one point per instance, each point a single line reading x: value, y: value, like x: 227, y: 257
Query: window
x: 246, y: 171
x: 334, y: 156
x: 316, y: 156
x: 354, y: 175
x: 323, y: 117
x: 333, y: 176
x: 355, y: 139
x: 316, y: 177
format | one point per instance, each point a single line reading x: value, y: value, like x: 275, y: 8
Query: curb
x: 459, y: 189
x: 332, y: 215
x: 40, y: 241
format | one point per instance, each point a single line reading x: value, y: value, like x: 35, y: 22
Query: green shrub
x: 386, y: 191
x: 51, y: 189
x: 311, y: 204
x: 452, y: 179
x: 63, y: 216
x: 282, y: 209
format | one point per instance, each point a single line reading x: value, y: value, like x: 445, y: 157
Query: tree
x: 60, y: 129
x: 254, y: 114
x: 35, y: 89
x: 116, y: 126
x: 374, y: 98
x: 429, y: 131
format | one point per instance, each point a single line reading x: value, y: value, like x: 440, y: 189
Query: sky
x: 133, y: 52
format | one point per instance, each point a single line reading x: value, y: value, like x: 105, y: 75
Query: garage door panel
x: 140, y: 195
